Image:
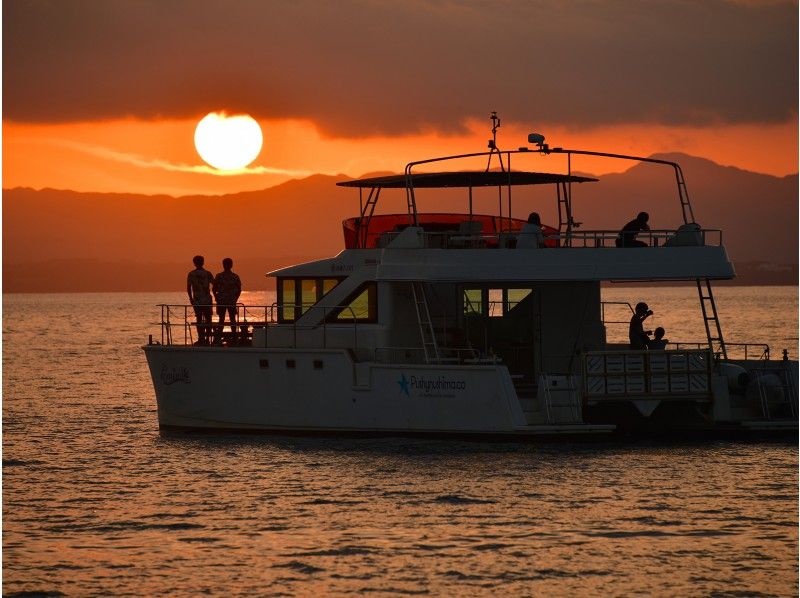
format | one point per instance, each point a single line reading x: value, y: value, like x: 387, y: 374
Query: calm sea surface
x: 96, y: 501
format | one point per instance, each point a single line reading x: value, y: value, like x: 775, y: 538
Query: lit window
x: 286, y: 299
x: 473, y: 301
x: 328, y: 284
x: 297, y: 295
x: 514, y: 297
x: 308, y: 295
x: 495, y: 303
x: 363, y: 307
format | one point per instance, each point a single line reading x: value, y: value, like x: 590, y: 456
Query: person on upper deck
x: 636, y: 333
x: 197, y: 287
x: 227, y: 288
x: 627, y: 236
x: 531, y: 234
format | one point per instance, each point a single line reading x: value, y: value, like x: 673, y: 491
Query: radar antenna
x: 493, y: 149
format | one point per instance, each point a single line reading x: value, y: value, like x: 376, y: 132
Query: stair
x: 561, y: 399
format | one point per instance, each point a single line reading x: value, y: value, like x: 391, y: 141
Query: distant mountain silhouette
x: 69, y: 241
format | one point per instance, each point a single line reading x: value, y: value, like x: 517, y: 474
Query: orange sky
x: 104, y: 95
x: 159, y: 156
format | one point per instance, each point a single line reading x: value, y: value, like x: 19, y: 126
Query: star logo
x: 403, y: 382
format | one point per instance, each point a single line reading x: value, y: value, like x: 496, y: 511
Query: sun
x: 228, y: 142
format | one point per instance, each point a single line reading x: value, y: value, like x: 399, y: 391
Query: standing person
x: 531, y: 234
x: 227, y: 288
x: 636, y: 333
x: 627, y: 236
x: 197, y: 287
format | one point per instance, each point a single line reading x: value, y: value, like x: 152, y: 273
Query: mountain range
x: 68, y: 241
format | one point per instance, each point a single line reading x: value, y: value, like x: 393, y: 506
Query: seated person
x: 639, y: 338
x: 659, y: 343
x: 531, y: 234
x: 627, y: 236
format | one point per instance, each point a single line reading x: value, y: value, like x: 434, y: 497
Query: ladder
x: 708, y: 305
x: 564, y: 214
x: 791, y: 390
x: 571, y: 401
x: 786, y: 388
x: 684, y: 195
x: 366, y: 216
x: 428, y: 336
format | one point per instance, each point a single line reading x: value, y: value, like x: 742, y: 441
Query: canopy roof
x: 467, y: 178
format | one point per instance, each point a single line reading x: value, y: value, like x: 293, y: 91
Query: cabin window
x: 362, y: 306
x: 297, y: 295
x: 308, y: 296
x: 286, y: 299
x: 513, y: 297
x: 473, y: 301
x: 494, y: 303
x: 328, y: 284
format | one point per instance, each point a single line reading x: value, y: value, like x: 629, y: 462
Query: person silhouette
x: 639, y: 338
x: 658, y: 343
x: 227, y: 288
x: 627, y: 236
x: 531, y: 234
x: 197, y: 287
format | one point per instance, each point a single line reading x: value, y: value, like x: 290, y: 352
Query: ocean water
x: 97, y: 501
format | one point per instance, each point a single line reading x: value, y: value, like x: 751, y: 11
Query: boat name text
x: 341, y: 267
x: 437, y: 386
x: 173, y: 375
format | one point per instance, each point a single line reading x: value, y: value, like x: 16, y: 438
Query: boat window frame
x: 301, y: 308
x: 485, y: 290
x: 371, y: 286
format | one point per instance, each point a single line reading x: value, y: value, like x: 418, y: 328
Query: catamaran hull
x: 325, y: 391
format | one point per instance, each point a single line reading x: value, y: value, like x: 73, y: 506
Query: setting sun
x: 228, y: 142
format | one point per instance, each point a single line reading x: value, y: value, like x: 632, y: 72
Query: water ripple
x: 97, y: 502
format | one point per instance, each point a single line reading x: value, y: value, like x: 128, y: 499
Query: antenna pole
x: 492, y: 144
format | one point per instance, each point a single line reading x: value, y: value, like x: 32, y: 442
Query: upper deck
x: 370, y: 230
x: 486, y: 231
x: 685, y: 252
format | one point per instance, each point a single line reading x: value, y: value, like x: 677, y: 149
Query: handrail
x: 416, y: 355
x: 326, y: 311
x: 590, y: 239
x: 683, y: 194
x: 244, y: 320
x: 603, y: 312
x: 763, y: 348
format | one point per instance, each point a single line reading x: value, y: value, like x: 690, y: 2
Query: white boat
x: 435, y: 323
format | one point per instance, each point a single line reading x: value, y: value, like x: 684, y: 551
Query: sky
x: 104, y: 95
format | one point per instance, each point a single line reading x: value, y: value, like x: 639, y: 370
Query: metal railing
x: 248, y: 318
x: 603, y: 305
x: 323, y: 324
x: 416, y: 355
x: 576, y: 239
x: 181, y: 316
x: 755, y: 351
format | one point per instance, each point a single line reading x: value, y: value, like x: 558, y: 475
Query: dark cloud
x: 364, y: 67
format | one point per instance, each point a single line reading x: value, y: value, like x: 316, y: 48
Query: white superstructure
x: 435, y: 323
